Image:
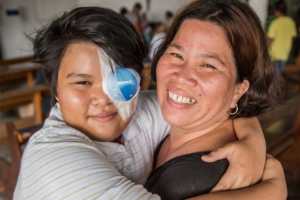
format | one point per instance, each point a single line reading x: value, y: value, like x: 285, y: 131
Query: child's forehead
x: 81, y: 58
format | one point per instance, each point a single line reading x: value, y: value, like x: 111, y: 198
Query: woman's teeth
x: 181, y: 99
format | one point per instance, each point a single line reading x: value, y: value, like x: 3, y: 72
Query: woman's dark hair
x: 103, y: 27
x: 248, y: 43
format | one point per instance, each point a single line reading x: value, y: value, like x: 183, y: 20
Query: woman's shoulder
x: 193, y: 176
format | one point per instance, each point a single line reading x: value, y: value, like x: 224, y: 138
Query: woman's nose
x: 186, y: 76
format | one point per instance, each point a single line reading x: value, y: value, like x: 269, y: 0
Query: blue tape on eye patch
x: 123, y: 84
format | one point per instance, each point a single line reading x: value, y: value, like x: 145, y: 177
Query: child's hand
x: 245, y: 168
x: 273, y: 170
x: 274, y: 174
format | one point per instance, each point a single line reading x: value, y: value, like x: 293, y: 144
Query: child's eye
x: 85, y: 83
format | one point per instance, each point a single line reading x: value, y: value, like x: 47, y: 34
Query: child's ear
x: 240, y: 90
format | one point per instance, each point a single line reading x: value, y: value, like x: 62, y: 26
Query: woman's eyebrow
x: 78, y: 75
x: 176, y: 46
x: 212, y: 56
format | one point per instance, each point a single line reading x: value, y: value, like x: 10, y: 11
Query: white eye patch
x: 120, y: 84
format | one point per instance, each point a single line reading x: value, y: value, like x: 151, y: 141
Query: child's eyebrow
x: 79, y: 75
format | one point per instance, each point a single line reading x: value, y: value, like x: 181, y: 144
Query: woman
x: 92, y: 146
x: 212, y: 67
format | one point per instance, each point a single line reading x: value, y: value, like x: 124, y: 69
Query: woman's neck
x: 184, y: 141
x: 180, y: 136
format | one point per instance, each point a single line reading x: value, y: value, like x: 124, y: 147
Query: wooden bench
x: 20, y: 71
x: 291, y: 74
x: 17, y: 60
x: 13, y: 98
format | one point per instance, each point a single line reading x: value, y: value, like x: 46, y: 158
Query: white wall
x: 261, y: 9
x: 33, y: 14
x: 13, y: 40
x: 113, y: 4
x: 157, y: 9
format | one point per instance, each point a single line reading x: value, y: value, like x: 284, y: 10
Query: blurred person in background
x: 135, y: 17
x: 280, y: 34
x: 157, y: 39
x: 168, y: 18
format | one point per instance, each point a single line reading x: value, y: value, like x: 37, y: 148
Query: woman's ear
x: 239, y: 91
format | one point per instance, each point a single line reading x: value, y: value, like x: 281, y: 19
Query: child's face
x: 82, y: 101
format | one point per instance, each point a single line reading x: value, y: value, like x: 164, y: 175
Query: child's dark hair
x: 107, y: 29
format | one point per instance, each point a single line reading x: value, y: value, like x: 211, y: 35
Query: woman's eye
x: 176, y: 55
x: 209, y: 66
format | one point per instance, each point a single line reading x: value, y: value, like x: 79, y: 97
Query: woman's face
x: 82, y: 101
x: 196, y: 77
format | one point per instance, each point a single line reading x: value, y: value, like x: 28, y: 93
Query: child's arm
x: 272, y: 187
x: 246, y: 156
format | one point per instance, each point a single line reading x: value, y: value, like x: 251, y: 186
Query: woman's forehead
x: 205, y: 38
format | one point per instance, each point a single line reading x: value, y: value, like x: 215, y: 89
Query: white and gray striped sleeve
x: 73, y: 171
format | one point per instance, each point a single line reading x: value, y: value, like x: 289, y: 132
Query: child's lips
x: 104, y: 117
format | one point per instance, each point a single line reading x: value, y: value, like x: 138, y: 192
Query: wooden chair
x: 16, y: 140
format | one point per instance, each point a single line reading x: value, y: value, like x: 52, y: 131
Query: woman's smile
x: 179, y: 99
